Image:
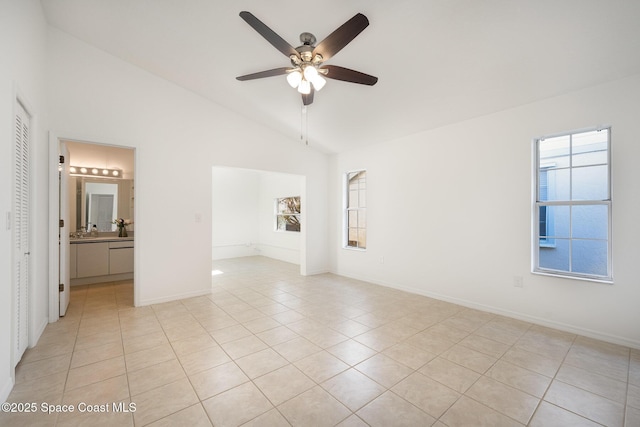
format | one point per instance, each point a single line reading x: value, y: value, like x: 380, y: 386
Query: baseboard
x: 38, y: 332
x: 613, y: 339
x: 5, y: 390
x: 175, y: 297
x: 315, y: 272
x: 101, y: 279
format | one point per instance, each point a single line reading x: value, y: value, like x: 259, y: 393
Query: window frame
x: 347, y: 210
x: 537, y: 204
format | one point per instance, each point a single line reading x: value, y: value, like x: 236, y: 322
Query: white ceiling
x: 438, y: 61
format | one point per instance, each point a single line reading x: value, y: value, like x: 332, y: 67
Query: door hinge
x: 62, y: 223
x: 61, y: 160
x: 61, y: 287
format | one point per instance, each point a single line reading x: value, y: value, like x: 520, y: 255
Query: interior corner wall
x: 178, y: 137
x: 22, y: 50
x: 449, y: 214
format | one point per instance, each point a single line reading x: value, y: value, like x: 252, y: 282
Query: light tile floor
x: 268, y: 347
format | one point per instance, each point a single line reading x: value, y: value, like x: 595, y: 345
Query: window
x: 572, y: 219
x: 356, y: 210
x: 544, y: 221
x: 288, y: 214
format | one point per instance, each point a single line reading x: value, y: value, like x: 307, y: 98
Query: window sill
x: 559, y: 275
x: 351, y: 248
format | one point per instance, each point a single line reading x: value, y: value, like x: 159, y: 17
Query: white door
x: 65, y: 217
x: 21, y: 232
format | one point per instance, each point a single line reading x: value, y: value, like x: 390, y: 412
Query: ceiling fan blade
x: 308, y: 99
x: 266, y: 32
x: 346, y: 75
x: 341, y: 37
x: 262, y: 74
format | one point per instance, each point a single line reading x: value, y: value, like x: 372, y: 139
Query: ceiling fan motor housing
x: 307, y: 39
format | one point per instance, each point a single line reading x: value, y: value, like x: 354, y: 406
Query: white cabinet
x: 102, y: 261
x: 120, y: 257
x: 92, y: 259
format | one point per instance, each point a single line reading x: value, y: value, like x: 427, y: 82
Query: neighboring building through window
x: 288, y: 214
x: 356, y: 209
x: 573, y: 205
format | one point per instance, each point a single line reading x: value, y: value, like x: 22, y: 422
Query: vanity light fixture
x: 95, y: 172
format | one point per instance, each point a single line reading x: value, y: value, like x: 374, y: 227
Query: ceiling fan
x: 307, y: 61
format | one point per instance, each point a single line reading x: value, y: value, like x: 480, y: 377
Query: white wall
x: 235, y: 230
x: 243, y: 214
x: 22, y: 50
x: 178, y: 137
x: 450, y: 212
x: 282, y: 245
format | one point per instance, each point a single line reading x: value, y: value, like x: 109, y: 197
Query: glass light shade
x: 83, y: 170
x: 318, y: 82
x: 294, y: 78
x: 305, y: 87
x: 94, y: 171
x: 116, y: 173
x: 72, y: 169
x: 310, y: 72
x: 105, y: 172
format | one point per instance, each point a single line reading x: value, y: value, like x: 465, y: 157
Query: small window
x: 288, y: 214
x: 572, y: 219
x: 356, y: 209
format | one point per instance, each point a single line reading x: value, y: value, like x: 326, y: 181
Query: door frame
x: 54, y: 201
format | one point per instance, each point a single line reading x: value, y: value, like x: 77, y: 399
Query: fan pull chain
x: 304, y: 125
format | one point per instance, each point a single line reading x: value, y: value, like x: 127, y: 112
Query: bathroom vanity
x: 101, y: 259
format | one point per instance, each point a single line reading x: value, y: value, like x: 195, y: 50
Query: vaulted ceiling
x: 438, y: 61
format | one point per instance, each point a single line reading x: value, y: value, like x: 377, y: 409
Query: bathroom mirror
x: 99, y: 201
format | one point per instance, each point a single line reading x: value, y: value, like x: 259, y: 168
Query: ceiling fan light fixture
x: 310, y: 72
x: 294, y: 78
x: 304, y: 87
x: 318, y: 82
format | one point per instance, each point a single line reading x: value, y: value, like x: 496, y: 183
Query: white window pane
x: 362, y: 238
x: 554, y: 152
x: 362, y: 219
x: 590, y: 222
x: 352, y: 219
x: 353, y: 236
x: 555, y: 221
x: 555, y: 257
x: 353, y: 199
x: 589, y: 257
x: 590, y: 183
x: 558, y: 184
x: 590, y: 148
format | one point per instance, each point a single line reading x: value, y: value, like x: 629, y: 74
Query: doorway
x: 247, y: 217
x: 99, y: 190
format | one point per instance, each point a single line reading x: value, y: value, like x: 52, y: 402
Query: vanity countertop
x: 100, y: 239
